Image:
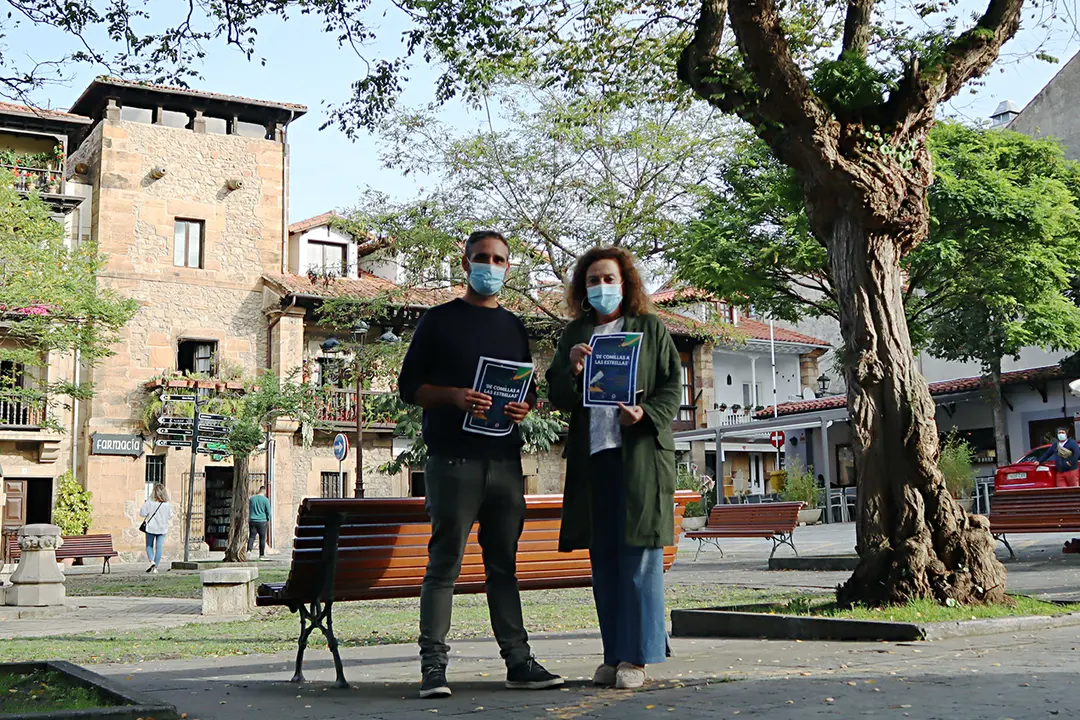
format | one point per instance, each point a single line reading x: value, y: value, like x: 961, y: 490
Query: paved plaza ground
x: 1029, y: 675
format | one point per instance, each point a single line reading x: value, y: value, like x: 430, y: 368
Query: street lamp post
x: 359, y: 333
x: 332, y: 345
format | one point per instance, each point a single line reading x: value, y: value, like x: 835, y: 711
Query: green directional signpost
x: 203, y: 434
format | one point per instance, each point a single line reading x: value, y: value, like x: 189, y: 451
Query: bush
x: 954, y: 462
x: 73, y: 511
x: 800, y: 485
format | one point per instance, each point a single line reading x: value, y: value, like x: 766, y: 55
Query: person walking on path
x: 471, y: 477
x: 1066, y: 456
x: 619, y: 497
x: 258, y: 520
x: 157, y: 511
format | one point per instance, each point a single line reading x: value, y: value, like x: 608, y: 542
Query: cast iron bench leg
x: 318, y: 616
x: 783, y: 539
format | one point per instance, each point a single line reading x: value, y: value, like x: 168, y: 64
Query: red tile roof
x: 312, y: 222
x: 942, y: 387
x: 760, y: 331
x: 26, y: 111
x: 667, y: 295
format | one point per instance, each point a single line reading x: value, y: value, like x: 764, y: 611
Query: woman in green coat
x: 619, y: 497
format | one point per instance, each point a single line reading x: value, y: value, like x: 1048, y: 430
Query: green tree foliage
x: 51, y: 302
x: 992, y: 278
x: 73, y: 511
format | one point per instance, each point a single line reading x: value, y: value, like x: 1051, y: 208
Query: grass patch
x: 45, y: 691
x: 167, y: 585
x: 356, y: 624
x: 919, y: 611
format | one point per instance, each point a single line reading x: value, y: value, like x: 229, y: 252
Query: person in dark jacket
x: 1066, y: 456
x: 619, y: 497
x: 469, y: 477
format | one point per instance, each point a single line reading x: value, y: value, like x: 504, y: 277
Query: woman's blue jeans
x: 628, y: 582
x: 154, y: 545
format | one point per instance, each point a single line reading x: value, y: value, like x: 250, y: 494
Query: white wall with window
x: 745, y: 378
x: 326, y: 250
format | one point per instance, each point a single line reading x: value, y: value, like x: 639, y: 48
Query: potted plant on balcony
x: 722, y: 407
x: 800, y: 485
x: 736, y: 408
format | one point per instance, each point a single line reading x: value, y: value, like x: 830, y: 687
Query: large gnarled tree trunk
x: 913, y: 540
x: 865, y: 174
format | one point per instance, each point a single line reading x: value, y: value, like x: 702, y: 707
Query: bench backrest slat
x: 380, y: 549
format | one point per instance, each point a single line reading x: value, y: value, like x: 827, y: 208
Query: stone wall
x: 1053, y: 111
x: 134, y: 219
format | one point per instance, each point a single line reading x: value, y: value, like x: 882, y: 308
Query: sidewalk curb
x: 720, y: 623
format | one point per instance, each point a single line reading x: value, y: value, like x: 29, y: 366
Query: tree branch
x: 968, y: 56
x: 857, y: 28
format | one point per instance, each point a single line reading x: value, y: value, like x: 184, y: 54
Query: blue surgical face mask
x: 486, y: 279
x: 1062, y: 437
x: 605, y: 299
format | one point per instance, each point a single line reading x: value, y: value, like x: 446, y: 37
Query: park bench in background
x: 1043, y: 510
x: 75, y: 547
x: 774, y: 521
x: 362, y: 549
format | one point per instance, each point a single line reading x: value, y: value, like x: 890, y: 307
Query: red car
x: 1026, y: 473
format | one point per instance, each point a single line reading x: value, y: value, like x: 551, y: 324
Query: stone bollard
x: 229, y: 591
x: 37, y: 581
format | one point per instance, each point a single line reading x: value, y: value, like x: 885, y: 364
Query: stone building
x: 186, y: 195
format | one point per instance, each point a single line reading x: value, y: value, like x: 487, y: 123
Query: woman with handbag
x: 157, y: 511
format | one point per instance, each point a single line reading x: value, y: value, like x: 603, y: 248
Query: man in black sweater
x: 471, y: 477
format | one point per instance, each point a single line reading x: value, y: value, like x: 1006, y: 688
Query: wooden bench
x: 1044, y: 510
x: 775, y: 521
x: 361, y: 549
x: 77, y: 546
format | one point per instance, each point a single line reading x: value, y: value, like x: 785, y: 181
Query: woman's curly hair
x: 635, y: 300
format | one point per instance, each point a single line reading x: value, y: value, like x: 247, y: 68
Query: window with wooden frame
x: 188, y: 238
x: 196, y: 356
x: 687, y: 417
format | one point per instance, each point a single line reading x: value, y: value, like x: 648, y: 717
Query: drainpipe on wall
x: 269, y: 434
x: 75, y: 423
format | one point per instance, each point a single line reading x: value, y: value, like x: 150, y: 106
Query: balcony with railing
x: 18, y: 414
x: 339, y: 409
x: 42, y: 172
x: 728, y: 417
x: 45, y: 180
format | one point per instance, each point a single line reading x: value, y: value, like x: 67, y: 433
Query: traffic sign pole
x: 191, y: 481
x: 341, y: 451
